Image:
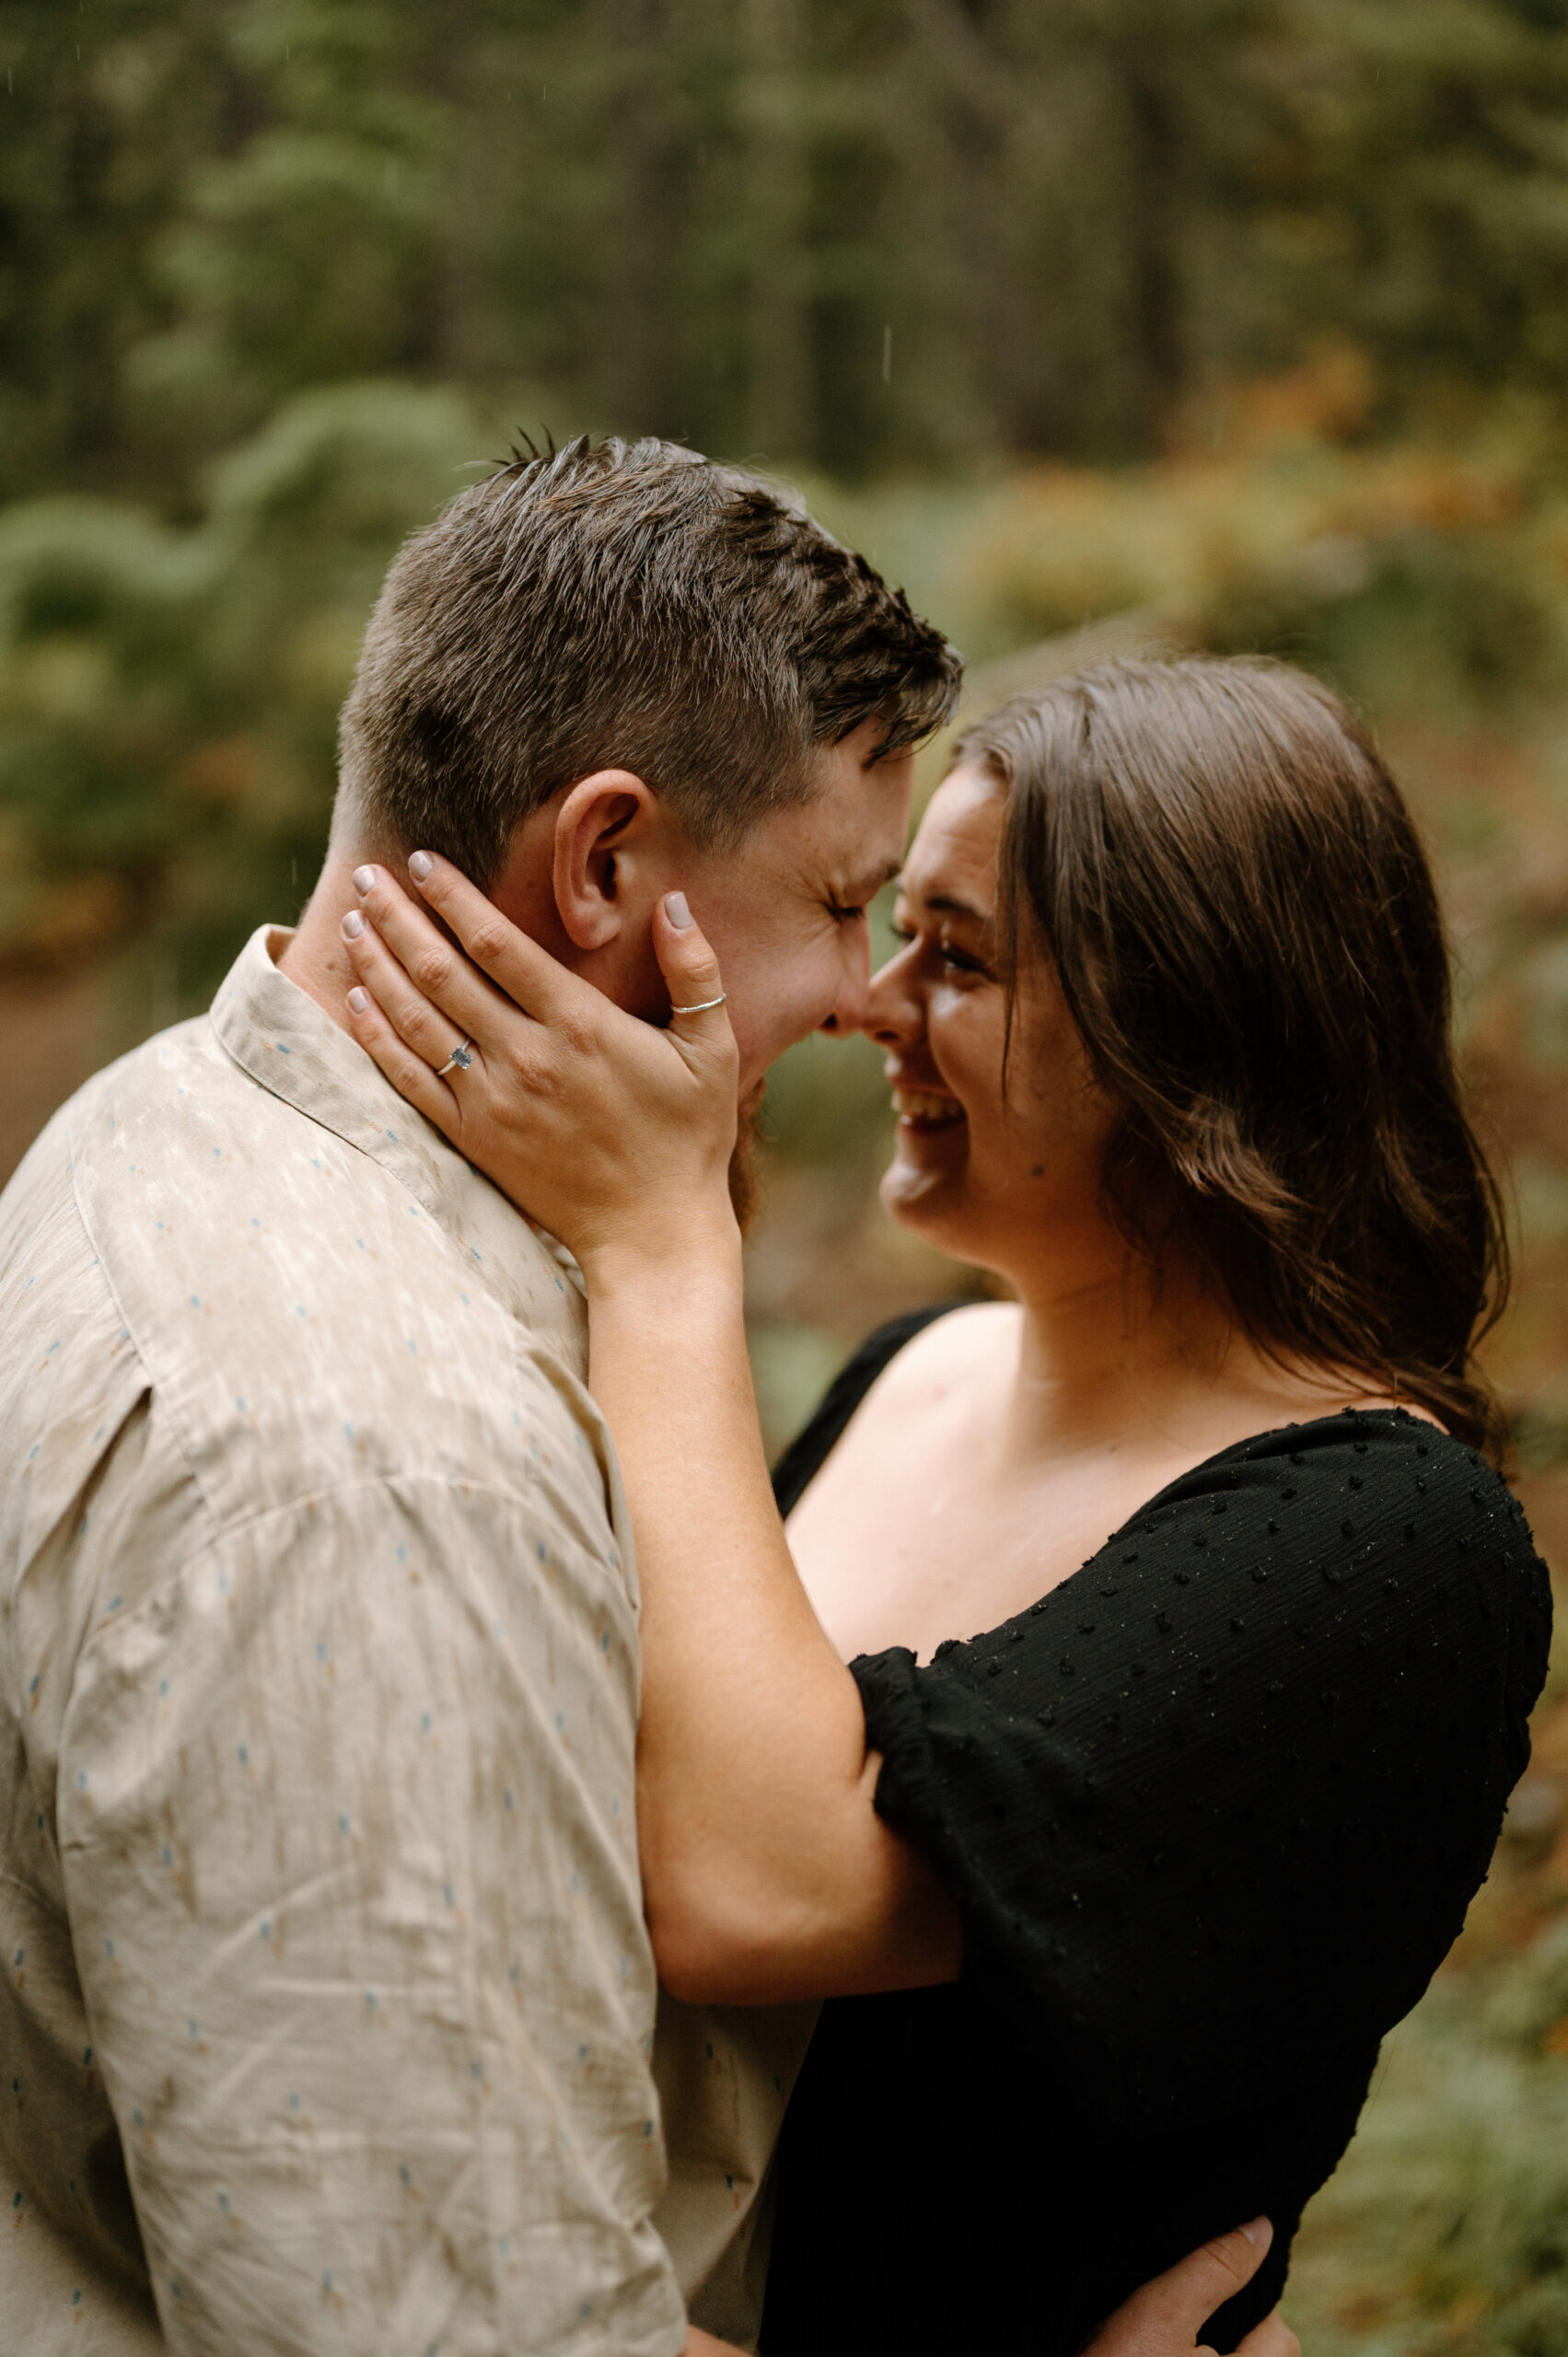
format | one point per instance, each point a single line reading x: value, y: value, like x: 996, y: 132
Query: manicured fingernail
x: 363, y: 881
x: 676, y: 910
x: 353, y: 925
x: 420, y: 865
x: 358, y: 1000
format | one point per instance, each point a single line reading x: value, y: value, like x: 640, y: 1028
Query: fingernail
x: 420, y: 865
x: 676, y: 910
x: 353, y: 925
x: 1255, y: 2232
x: 363, y: 881
x: 358, y: 1000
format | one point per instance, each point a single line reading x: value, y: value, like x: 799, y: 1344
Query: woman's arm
x: 767, y: 1873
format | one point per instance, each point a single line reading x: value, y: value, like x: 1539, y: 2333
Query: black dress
x: 1211, y: 1812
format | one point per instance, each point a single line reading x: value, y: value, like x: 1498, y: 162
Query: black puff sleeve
x: 1213, y: 1808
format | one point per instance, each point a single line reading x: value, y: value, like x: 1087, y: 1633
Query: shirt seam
x: 153, y: 1390
x: 222, y: 1534
x: 524, y: 1344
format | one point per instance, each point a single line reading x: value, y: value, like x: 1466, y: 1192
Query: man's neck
x: 316, y: 960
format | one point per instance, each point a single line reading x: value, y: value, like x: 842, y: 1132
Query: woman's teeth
x: 930, y: 1110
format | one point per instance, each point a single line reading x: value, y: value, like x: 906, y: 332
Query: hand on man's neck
x: 621, y: 964
x: 314, y: 959
x: 317, y: 962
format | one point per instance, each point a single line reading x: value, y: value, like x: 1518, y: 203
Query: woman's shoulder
x: 1373, y: 1522
x: 910, y: 1363
x: 1375, y: 1476
x: 1355, y: 1543
x: 1220, y: 1799
x: 949, y: 1348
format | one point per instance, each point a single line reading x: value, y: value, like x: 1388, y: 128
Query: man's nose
x: 852, y: 1004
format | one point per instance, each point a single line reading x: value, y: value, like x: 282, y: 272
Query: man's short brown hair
x: 628, y: 606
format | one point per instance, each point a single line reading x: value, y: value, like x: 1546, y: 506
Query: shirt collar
x: 277, y: 1034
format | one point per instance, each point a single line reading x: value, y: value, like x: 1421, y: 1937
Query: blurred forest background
x: 1100, y: 323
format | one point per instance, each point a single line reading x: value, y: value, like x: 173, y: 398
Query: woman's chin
x: 924, y: 1193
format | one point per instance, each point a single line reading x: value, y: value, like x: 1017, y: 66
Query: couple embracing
x: 361, y: 1781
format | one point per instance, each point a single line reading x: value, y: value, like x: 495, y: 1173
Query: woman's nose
x: 895, y: 1011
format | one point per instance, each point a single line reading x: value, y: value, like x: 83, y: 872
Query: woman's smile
x: 925, y: 1111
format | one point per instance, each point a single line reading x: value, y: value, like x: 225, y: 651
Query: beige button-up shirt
x: 326, y: 2002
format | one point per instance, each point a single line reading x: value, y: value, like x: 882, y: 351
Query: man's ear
x: 602, y: 831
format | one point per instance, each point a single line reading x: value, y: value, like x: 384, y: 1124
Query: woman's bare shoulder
x: 905, y: 1416
x: 981, y: 1338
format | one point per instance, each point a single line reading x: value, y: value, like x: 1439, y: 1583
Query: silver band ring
x: 703, y: 1005
x: 461, y: 1055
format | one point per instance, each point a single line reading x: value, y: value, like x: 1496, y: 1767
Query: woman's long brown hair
x: 1245, y: 930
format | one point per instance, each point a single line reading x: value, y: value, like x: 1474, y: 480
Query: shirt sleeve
x: 347, y: 1832
x: 1213, y: 1808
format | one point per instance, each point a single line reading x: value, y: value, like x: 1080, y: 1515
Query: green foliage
x: 169, y: 694
x: 1436, y: 562
x: 1446, y: 2227
x: 308, y: 254
x: 1440, y: 205
x: 1247, y: 318
x: 854, y: 233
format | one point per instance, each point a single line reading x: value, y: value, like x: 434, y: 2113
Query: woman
x: 1115, y: 1900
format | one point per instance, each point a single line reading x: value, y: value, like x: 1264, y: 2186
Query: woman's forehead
x: 953, y: 855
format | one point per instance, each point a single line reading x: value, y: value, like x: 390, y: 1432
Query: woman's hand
x: 613, y: 1134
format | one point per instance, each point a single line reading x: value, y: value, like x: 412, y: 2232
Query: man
x: 328, y: 2005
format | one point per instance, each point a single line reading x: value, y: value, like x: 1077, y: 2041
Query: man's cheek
x: 765, y: 1026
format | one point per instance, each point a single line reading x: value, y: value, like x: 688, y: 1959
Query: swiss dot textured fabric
x: 1212, y: 1810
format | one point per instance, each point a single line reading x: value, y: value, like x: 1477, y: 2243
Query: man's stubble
x: 745, y: 1186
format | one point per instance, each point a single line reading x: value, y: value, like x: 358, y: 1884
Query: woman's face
x: 1003, y: 1183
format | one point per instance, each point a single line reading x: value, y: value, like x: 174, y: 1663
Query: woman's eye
x: 942, y: 953
x: 958, y: 959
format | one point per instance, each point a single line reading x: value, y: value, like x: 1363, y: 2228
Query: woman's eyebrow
x: 948, y: 905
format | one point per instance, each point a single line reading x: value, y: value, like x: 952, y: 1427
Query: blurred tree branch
x: 1068, y: 216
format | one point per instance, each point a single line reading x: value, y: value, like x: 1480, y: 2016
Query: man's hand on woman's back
x: 1165, y: 2317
